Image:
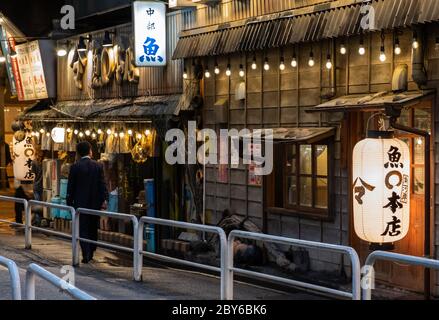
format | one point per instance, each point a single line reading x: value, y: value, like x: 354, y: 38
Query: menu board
x: 4, y: 43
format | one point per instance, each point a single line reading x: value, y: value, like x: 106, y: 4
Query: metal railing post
x: 230, y: 265
x: 75, y: 239
x: 27, y: 226
x: 30, y: 285
x: 136, y: 251
x: 14, y: 277
x: 355, y: 263
x: 35, y: 270
x: 223, y: 269
x: 393, y: 257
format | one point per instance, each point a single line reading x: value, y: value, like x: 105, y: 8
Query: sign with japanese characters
x: 149, y: 33
x: 24, y: 153
x: 381, y: 190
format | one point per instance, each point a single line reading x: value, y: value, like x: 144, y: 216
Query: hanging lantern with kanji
x: 381, y: 188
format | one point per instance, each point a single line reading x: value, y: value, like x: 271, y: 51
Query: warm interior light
x: 147, y: 132
x: 217, y: 69
x: 87, y: 132
x: 415, y: 43
x: 109, y: 131
x: 76, y: 131
x: 207, y: 73
x: 130, y: 132
x: 62, y: 51
x: 99, y: 131
x: 185, y: 76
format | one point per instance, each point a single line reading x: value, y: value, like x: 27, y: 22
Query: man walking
x: 86, y: 189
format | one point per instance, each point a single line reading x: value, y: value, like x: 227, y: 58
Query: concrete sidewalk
x: 110, y: 275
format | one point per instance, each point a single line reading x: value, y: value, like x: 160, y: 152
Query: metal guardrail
x: 190, y: 226
x: 28, y: 223
x: 121, y: 216
x: 355, y: 264
x: 35, y: 270
x: 14, y: 276
x: 25, y: 206
x: 393, y: 257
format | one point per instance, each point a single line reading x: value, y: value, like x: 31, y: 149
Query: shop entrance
x: 404, y: 276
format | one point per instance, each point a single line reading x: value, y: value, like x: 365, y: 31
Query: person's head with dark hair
x: 84, y: 149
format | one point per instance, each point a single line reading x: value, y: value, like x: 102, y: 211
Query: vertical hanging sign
x: 149, y: 33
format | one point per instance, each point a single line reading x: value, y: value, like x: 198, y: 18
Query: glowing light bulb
x: 254, y: 65
x: 109, y: 131
x: 47, y: 134
x: 139, y: 136
x: 282, y: 64
x: 311, y: 61
x: 241, y: 71
x: 93, y: 135
x: 266, y: 65
x: 62, y: 52
x: 415, y: 43
x: 217, y: 69
x: 147, y: 132
x: 294, y: 62
x: 397, y: 47
x: 116, y: 134
x: 383, y: 55
x: 343, y: 49
x: 121, y: 134
x: 99, y: 131
x: 42, y: 130
x: 69, y: 130
x: 185, y: 76
x: 329, y: 63
x: 37, y: 134
x: 130, y: 132
x: 76, y: 131
x: 228, y: 71
x: 207, y: 73
x: 87, y: 132
x: 81, y: 134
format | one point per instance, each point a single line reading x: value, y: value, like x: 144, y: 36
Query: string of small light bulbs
x: 311, y: 61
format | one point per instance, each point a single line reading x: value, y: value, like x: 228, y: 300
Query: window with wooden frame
x: 301, y: 181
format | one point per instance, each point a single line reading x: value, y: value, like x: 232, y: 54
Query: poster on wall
x: 223, y: 169
x: 149, y: 33
x: 31, y: 71
x: 23, y: 154
x: 253, y: 179
x: 6, y: 52
x: 36, y: 70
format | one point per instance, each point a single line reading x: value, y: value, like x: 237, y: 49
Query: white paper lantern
x: 24, y: 153
x: 58, y: 134
x: 381, y: 188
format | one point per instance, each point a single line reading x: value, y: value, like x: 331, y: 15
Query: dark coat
x: 86, y: 188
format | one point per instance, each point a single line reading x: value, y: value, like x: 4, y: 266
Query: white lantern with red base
x: 381, y: 188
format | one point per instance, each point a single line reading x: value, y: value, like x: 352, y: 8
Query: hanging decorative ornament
x: 381, y: 188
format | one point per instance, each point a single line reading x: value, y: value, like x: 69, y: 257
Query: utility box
x: 221, y: 108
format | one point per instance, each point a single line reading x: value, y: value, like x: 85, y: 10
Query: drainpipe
x: 419, y: 73
x: 394, y: 115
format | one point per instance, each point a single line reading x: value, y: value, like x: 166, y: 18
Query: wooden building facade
x: 310, y: 198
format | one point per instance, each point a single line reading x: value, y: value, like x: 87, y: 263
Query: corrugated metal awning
x: 108, y: 109
x: 268, y: 32
x: 372, y: 102
x: 299, y: 134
